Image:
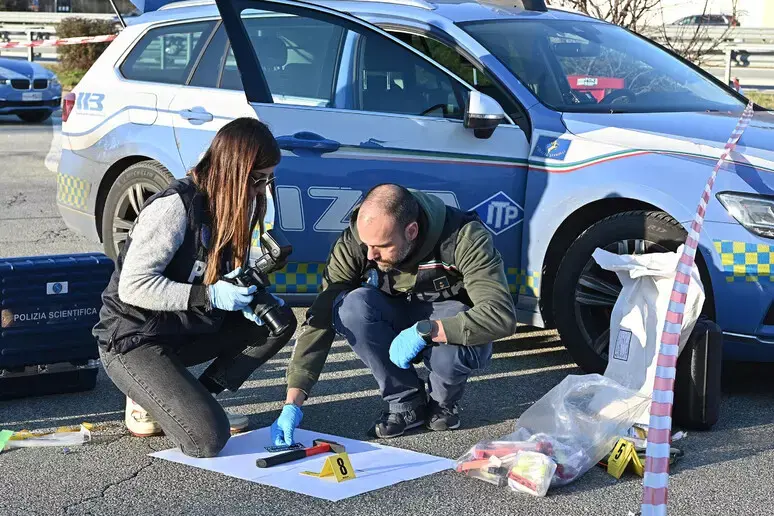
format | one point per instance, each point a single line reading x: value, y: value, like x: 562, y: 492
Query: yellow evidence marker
x: 624, y: 454
x: 337, y: 466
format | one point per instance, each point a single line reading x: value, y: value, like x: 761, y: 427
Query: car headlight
x: 756, y: 213
x: 53, y: 81
x: 4, y: 81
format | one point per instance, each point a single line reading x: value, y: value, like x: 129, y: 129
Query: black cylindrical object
x: 282, y: 458
x: 269, y: 311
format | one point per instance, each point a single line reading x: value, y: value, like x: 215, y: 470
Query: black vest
x: 123, y: 327
x: 437, y: 277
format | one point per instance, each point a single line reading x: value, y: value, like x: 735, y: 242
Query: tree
x: 631, y: 14
x: 693, y: 42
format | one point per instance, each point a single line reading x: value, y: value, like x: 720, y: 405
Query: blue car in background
x: 563, y: 132
x: 28, y: 90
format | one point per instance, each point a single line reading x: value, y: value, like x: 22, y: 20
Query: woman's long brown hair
x: 223, y: 174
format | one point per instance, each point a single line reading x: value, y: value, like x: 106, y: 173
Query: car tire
x: 34, y: 117
x: 126, y: 198
x: 584, y: 293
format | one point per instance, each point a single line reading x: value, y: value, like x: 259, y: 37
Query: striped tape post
x: 654, y: 495
x: 60, y: 42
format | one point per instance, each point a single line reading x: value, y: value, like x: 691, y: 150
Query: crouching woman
x: 169, y: 304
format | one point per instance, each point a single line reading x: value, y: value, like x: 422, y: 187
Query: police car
x: 28, y: 90
x: 563, y: 132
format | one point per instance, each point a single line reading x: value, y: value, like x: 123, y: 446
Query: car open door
x: 352, y: 107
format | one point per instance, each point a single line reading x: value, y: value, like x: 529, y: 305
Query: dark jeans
x: 155, y: 375
x: 370, y: 320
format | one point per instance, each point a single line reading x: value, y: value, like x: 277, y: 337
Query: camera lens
x: 274, y: 319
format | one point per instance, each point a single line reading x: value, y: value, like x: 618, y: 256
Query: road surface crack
x: 19, y: 198
x: 66, y: 510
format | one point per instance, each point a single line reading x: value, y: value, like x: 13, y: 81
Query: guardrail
x: 28, y: 35
x: 711, y: 33
x: 23, y: 18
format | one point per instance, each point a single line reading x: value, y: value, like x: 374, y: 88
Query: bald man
x: 410, y: 280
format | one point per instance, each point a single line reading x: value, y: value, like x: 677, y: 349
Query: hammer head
x: 335, y: 447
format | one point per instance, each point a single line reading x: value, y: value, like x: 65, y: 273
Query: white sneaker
x: 138, y: 421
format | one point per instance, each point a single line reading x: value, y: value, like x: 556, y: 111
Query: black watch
x: 425, y: 330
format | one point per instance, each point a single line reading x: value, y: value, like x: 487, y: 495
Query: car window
x: 391, y: 79
x: 598, y: 68
x: 298, y: 56
x: 167, y: 54
x: 207, y: 72
x: 452, y: 60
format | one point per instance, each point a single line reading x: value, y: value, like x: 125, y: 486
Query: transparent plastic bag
x: 583, y: 417
x: 531, y: 473
x: 575, y: 425
x: 28, y: 440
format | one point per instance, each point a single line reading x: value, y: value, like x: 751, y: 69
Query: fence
x: 27, y: 28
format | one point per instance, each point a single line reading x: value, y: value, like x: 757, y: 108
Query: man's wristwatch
x: 425, y: 330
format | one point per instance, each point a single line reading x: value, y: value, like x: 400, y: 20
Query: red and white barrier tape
x: 59, y: 42
x: 654, y: 494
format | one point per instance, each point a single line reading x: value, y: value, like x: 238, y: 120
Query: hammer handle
x: 290, y: 456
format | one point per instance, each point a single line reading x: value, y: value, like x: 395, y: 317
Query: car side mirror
x: 482, y: 114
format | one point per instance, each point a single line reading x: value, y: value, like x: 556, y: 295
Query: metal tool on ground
x: 318, y: 446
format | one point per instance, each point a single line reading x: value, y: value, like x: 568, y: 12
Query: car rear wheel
x: 126, y: 198
x: 584, y: 293
x: 34, y: 117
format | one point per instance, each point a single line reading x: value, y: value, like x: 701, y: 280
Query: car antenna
x: 118, y: 13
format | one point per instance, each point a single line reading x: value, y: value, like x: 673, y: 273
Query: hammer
x: 318, y: 446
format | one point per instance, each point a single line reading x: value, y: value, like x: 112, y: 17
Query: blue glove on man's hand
x: 250, y: 315
x: 287, y: 422
x: 408, y: 344
x: 227, y: 296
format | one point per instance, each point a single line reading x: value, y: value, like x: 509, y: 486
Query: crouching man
x: 410, y: 280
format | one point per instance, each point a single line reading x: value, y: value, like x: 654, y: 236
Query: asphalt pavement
x: 725, y: 471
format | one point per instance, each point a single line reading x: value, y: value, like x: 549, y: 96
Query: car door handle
x: 309, y: 141
x: 196, y: 114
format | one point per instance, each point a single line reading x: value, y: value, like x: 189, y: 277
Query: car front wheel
x: 126, y: 198
x: 584, y: 293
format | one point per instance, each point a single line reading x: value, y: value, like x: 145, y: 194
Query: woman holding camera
x: 172, y: 301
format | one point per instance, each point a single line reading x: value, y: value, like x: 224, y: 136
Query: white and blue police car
x: 28, y: 90
x: 563, y: 132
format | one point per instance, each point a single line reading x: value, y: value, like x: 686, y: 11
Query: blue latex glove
x: 287, y: 422
x: 406, y: 346
x: 250, y: 315
x: 227, y: 296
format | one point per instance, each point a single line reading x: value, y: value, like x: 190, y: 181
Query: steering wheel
x: 611, y: 97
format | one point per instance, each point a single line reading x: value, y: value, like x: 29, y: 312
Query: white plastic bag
x: 639, y: 313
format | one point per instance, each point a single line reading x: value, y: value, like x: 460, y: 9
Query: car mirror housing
x: 482, y: 114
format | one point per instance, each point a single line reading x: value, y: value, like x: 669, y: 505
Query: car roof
x: 422, y: 10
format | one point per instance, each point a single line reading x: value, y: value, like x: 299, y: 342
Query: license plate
x: 31, y: 96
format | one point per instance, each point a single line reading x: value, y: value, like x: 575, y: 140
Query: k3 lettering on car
x: 557, y: 158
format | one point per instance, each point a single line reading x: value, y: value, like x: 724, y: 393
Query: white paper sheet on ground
x: 376, y: 465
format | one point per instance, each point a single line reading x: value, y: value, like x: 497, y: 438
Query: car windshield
x: 592, y: 67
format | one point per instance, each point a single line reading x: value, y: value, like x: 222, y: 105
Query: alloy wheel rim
x: 597, y: 291
x: 128, y: 208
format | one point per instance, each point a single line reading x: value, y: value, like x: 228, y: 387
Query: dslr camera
x: 276, y: 250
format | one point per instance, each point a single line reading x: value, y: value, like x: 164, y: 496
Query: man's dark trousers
x: 370, y: 320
